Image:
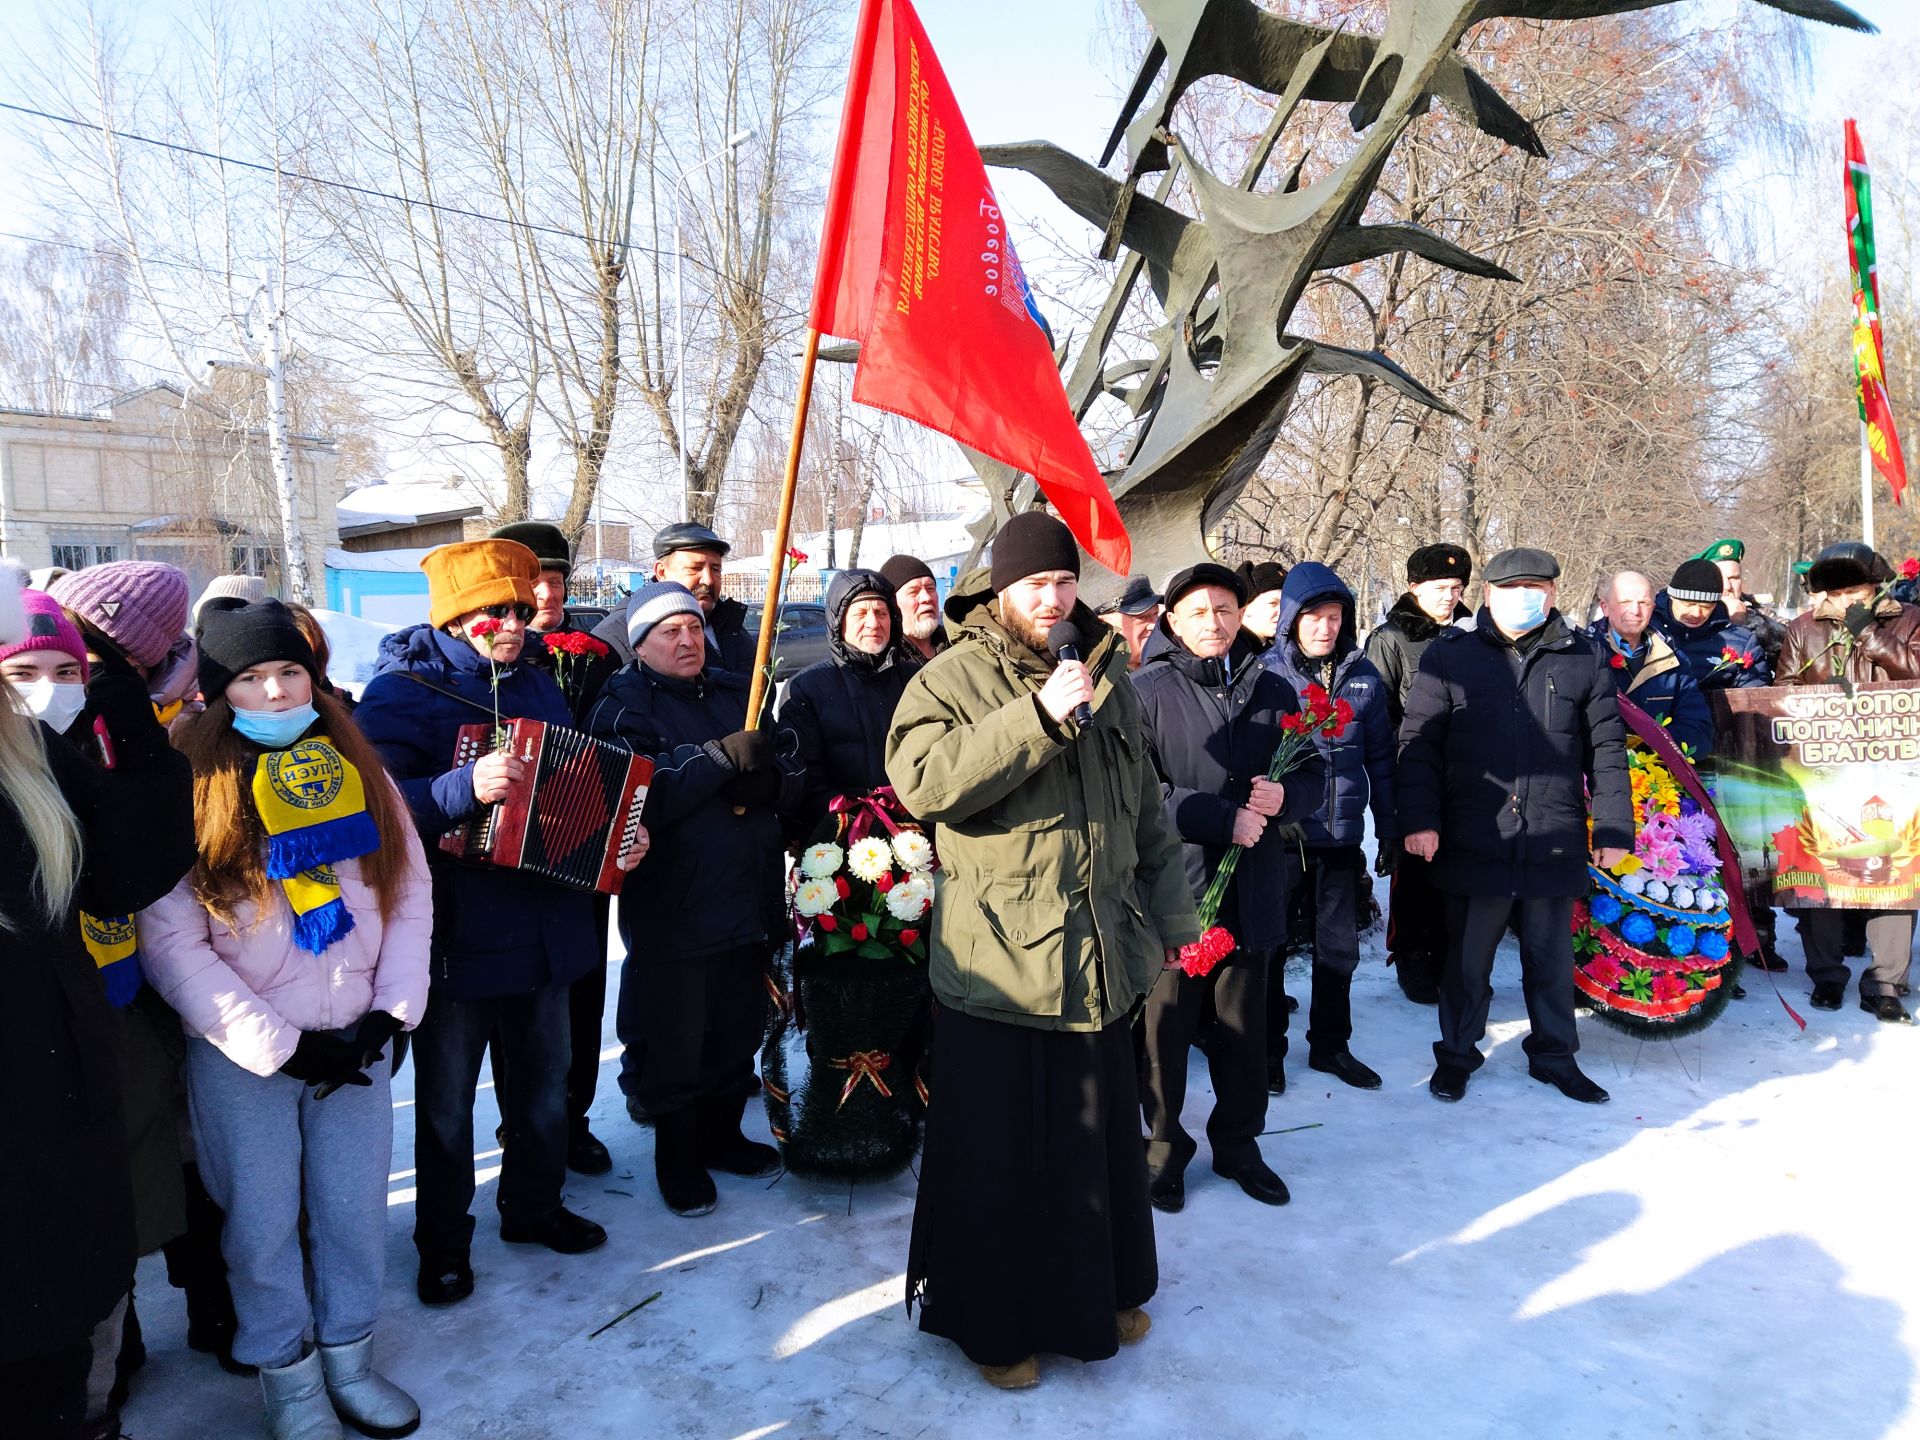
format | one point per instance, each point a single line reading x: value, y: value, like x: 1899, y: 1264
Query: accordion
x: 570, y: 817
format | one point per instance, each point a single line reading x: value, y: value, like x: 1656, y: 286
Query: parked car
x: 800, y: 640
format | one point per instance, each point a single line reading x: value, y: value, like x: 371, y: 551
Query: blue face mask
x: 275, y: 729
x: 1517, y: 609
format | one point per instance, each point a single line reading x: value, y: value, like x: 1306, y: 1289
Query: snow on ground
x: 1721, y: 1252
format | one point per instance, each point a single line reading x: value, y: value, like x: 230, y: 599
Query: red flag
x: 916, y: 264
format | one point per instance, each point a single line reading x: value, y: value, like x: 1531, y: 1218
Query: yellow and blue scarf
x: 115, y: 947
x: 313, y: 807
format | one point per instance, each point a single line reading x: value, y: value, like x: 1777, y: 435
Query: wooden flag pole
x: 777, y: 556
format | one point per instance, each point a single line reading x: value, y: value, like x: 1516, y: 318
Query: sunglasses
x: 523, y: 613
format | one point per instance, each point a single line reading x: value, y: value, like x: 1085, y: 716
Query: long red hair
x: 233, y: 843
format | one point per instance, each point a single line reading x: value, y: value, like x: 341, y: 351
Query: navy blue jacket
x: 712, y: 879
x: 496, y: 932
x: 1497, y: 753
x: 1360, y: 763
x: 1661, y: 683
x: 1703, y: 647
x: 841, y: 708
x: 1213, y: 729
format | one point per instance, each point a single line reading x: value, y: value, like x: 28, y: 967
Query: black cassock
x: 1032, y: 1229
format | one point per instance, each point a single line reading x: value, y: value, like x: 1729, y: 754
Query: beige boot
x: 1021, y: 1375
x: 1134, y: 1325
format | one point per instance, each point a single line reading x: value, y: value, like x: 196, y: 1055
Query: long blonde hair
x: 53, y: 835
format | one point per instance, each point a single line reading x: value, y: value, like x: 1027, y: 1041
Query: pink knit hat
x: 140, y: 605
x: 49, y: 628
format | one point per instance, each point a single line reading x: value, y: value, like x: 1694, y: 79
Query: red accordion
x: 569, y: 819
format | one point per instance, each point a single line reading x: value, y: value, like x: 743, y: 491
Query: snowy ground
x: 1721, y: 1252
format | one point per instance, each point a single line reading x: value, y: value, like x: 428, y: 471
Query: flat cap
x: 1207, y: 572
x: 1511, y: 566
x: 686, y: 535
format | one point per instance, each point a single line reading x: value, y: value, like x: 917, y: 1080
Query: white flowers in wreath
x: 909, y: 899
x: 816, y: 895
x: 913, y: 849
x: 821, y: 861
x: 870, y: 859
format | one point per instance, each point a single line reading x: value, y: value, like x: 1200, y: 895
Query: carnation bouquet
x: 843, y: 1060
x: 1653, y: 949
x: 1323, y: 716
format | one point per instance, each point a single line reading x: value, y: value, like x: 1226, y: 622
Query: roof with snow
x: 373, y: 509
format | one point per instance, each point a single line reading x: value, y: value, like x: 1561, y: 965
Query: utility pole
x: 272, y: 367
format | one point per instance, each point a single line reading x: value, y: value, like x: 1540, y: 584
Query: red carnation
x: 797, y: 556
x: 827, y: 923
x: 1293, y: 724
x: 1619, y: 661
x: 1910, y: 569
x: 859, y: 931
x: 483, y: 628
x: 909, y: 937
x: 1209, y: 950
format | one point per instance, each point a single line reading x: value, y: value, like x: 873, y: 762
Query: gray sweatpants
x: 266, y: 1147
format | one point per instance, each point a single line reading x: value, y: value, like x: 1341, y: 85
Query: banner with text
x: 1820, y: 789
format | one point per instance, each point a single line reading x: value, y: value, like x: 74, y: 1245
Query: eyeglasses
x: 523, y: 613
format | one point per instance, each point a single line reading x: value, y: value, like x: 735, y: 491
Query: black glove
x: 748, y: 750
x: 118, y: 696
x: 756, y: 788
x: 1859, y: 618
x: 322, y: 1059
x: 1386, y: 855
x: 377, y: 1028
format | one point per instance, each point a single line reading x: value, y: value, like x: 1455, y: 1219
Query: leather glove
x: 748, y: 750
x: 377, y: 1028
x: 1386, y: 855
x: 323, y: 1059
x: 117, y: 694
x: 756, y: 788
x: 1858, y: 619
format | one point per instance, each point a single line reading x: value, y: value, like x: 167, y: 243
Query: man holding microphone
x: 1063, y: 896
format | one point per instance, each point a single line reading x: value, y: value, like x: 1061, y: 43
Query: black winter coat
x: 1497, y: 752
x: 1396, y: 645
x: 496, y: 932
x: 66, y: 1197
x: 841, y: 708
x: 712, y: 879
x: 1661, y: 682
x: 1212, y: 731
x: 1704, y: 648
x: 1359, y: 765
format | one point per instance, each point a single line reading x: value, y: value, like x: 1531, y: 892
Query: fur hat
x: 1697, y: 581
x: 1439, y: 562
x: 1849, y: 563
x: 549, y: 546
x: 1257, y: 577
x: 474, y: 574
x: 139, y: 605
x: 234, y: 635
x: 42, y: 626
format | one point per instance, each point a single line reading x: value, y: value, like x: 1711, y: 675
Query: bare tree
x: 63, y: 321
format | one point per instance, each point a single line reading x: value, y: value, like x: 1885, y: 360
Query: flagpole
x: 1866, y: 487
x: 777, y: 556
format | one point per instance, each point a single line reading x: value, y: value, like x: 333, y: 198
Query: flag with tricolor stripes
x: 1869, y: 354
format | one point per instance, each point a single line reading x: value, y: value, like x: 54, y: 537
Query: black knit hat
x: 235, y: 635
x: 903, y: 570
x: 1032, y: 543
x: 1696, y: 581
x: 1850, y: 563
x: 1206, y: 572
x: 549, y: 546
x: 1257, y: 577
x: 1439, y: 562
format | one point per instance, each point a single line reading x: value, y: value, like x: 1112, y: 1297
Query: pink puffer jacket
x: 251, y: 990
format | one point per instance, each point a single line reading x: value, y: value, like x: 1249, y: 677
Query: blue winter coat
x: 496, y: 932
x: 1703, y: 647
x: 1661, y: 683
x: 1360, y: 763
x: 1212, y: 730
x: 713, y: 877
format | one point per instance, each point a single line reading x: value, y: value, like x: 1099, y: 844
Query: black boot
x: 1887, y: 1008
x: 1252, y: 1175
x: 195, y: 1265
x: 724, y: 1148
x: 585, y: 1154
x: 1829, y: 995
x: 683, y: 1180
x: 1568, y: 1079
x: 1167, y: 1189
x: 1418, y: 974
x: 445, y: 1277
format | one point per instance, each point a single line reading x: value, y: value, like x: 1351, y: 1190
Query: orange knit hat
x: 475, y: 574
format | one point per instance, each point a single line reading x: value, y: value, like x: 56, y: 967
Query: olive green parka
x: 1061, y: 886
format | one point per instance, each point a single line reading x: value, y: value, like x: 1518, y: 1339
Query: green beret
x: 1724, y: 550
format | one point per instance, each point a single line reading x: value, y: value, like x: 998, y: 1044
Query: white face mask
x: 58, y: 703
x: 1517, y: 609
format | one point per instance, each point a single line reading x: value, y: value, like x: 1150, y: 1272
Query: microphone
x: 1063, y: 639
